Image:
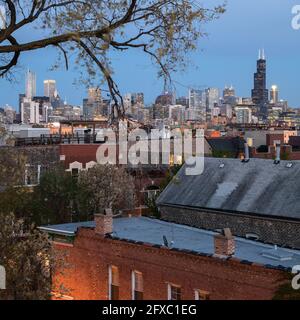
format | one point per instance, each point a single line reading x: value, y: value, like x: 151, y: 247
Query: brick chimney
x: 104, y: 222
x: 224, y: 243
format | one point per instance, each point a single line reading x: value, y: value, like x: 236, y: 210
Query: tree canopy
x: 165, y: 30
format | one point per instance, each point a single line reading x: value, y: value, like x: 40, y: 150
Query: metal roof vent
x: 289, y: 165
x: 277, y: 254
x: 222, y: 165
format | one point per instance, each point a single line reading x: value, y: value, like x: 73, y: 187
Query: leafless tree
x: 166, y: 30
x: 107, y: 186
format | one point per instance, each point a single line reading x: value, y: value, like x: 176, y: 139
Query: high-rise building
x: 30, y: 111
x: 93, y: 105
x: 197, y: 105
x: 243, y: 114
x: 212, y: 98
x: 50, y: 89
x: 260, y: 93
x: 228, y: 92
x: 274, y: 94
x: 30, y: 84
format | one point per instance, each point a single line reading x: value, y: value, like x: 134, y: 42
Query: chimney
x: 247, y: 156
x: 224, y: 243
x: 104, y: 222
x: 278, y: 149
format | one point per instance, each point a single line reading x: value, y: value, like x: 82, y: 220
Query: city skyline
x: 219, y: 60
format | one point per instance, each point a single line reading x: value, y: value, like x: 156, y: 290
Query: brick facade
x: 90, y: 256
x: 281, y: 232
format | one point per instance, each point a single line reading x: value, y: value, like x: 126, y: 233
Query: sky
x: 226, y: 57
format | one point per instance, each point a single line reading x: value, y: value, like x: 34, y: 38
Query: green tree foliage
x: 28, y: 259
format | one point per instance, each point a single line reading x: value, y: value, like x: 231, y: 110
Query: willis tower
x: 260, y: 92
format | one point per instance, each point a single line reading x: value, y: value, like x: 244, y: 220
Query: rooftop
x: 257, y: 187
x: 182, y: 237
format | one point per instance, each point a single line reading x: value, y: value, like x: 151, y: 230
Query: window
x: 137, y: 285
x: 174, y: 292
x: 75, y: 173
x: 202, y: 295
x: 114, y: 283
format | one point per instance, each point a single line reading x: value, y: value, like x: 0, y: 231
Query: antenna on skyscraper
x: 263, y: 54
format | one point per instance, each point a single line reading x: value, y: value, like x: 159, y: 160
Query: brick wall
x: 281, y: 232
x: 91, y: 255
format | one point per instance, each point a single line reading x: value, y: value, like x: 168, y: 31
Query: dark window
x: 175, y: 292
x: 138, y: 285
x: 114, y: 283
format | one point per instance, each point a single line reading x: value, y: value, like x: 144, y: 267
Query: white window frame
x: 197, y: 293
x: 133, y: 273
x: 170, y: 285
x: 110, y: 279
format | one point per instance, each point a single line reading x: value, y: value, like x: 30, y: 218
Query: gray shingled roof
x: 259, y: 187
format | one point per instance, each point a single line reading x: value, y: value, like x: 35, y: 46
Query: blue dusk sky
x: 227, y: 56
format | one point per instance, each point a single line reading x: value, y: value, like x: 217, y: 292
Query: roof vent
x: 222, y: 165
x: 252, y: 236
x: 289, y: 165
x: 277, y: 159
x: 277, y: 254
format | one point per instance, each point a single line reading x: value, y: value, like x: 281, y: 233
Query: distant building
x: 212, y: 98
x: 30, y: 84
x: 274, y: 94
x: 260, y: 93
x: 197, y: 105
x: 243, y: 114
x: 30, y: 112
x: 50, y: 89
x: 93, y: 105
x: 165, y: 99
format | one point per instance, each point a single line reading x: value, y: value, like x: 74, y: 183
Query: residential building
x: 256, y: 198
x: 140, y: 258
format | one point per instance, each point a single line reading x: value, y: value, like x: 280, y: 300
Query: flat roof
x: 182, y: 237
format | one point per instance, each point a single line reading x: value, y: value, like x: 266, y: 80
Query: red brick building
x: 142, y: 258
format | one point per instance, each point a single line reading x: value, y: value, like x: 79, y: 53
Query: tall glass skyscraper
x: 260, y: 92
x: 30, y: 85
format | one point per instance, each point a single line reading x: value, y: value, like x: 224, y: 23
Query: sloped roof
x: 257, y: 187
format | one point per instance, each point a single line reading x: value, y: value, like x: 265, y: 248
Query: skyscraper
x: 274, y: 94
x: 197, y: 104
x: 49, y: 89
x: 93, y: 106
x: 30, y: 84
x: 260, y: 93
x: 212, y: 98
